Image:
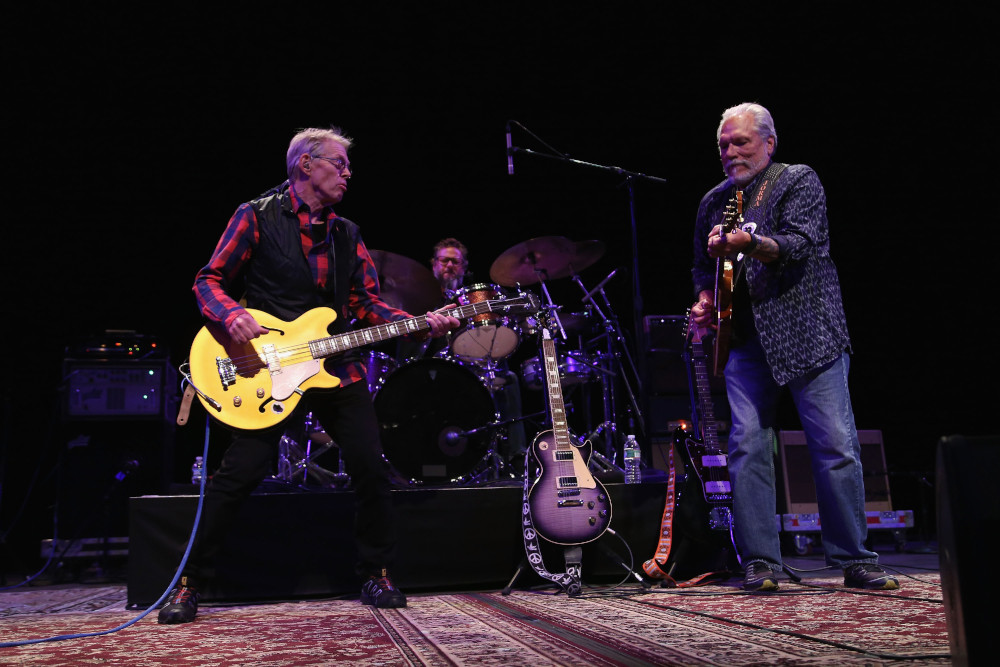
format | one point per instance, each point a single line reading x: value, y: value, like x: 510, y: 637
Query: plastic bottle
x: 197, y: 470
x: 632, y: 457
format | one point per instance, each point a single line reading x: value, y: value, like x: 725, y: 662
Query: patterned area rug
x: 816, y: 624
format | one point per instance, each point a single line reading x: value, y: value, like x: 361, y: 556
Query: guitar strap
x: 570, y: 581
x: 654, y: 567
x: 759, y: 198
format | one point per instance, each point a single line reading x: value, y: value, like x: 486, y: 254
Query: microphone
x: 510, y: 154
x: 600, y: 286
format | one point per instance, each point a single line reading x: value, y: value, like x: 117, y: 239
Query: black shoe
x: 869, y: 576
x: 379, y: 592
x: 181, y: 605
x: 759, y: 577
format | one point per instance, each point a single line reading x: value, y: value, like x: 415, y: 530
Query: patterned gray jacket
x: 796, y: 300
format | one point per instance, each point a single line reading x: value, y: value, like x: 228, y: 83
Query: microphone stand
x: 630, y: 180
x: 631, y: 177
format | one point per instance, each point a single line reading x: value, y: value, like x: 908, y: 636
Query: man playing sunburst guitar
x: 287, y: 253
x: 787, y: 330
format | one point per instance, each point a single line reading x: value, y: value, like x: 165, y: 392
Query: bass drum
x: 424, y: 407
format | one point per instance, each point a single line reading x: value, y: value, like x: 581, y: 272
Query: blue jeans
x: 823, y: 402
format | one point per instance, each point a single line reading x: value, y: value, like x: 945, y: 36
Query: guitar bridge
x: 227, y: 371
x: 720, y: 518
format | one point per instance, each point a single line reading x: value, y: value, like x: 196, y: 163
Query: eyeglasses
x: 449, y: 260
x: 336, y: 162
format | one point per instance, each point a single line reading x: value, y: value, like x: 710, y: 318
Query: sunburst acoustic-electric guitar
x: 257, y: 384
x: 568, y: 505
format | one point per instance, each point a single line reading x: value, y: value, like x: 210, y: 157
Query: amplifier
x: 800, y: 489
x: 115, y: 388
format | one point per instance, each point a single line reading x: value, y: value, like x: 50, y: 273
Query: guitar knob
x: 260, y: 392
x: 603, y: 513
x: 237, y: 401
x: 590, y: 505
x: 592, y: 521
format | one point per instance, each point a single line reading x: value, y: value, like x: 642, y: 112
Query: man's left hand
x: 440, y: 322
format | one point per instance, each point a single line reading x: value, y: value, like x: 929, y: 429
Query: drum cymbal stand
x: 289, y: 450
x: 615, y: 349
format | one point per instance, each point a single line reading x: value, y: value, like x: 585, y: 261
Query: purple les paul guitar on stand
x: 568, y: 506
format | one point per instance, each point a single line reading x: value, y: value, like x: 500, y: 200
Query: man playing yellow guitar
x: 288, y: 254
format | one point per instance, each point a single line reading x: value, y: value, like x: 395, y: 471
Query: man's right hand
x: 245, y: 328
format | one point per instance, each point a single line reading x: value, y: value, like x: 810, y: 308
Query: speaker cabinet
x: 968, y: 518
x: 800, y: 487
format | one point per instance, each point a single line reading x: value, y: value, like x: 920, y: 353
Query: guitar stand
x: 574, y: 566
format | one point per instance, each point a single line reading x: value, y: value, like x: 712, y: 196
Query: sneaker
x: 759, y: 577
x: 181, y: 605
x: 869, y: 576
x: 379, y: 592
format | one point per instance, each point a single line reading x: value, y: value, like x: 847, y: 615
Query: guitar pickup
x: 714, y: 461
x: 564, y: 455
x: 227, y: 371
x: 717, y: 487
x: 568, y: 481
x: 570, y: 503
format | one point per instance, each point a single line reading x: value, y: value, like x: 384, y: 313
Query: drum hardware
x: 575, y: 368
x: 493, y: 467
x: 612, y: 368
x: 295, y: 463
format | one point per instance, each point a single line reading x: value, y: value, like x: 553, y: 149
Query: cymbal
x: 405, y: 283
x: 587, y: 253
x: 544, y: 258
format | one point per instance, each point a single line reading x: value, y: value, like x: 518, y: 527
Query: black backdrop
x: 134, y: 134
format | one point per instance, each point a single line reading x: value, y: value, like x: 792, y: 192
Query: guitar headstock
x: 525, y: 303
x: 692, y: 331
x: 732, y: 215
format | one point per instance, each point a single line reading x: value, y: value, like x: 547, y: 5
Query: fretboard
x: 709, y: 435
x: 324, y: 347
x: 560, y: 429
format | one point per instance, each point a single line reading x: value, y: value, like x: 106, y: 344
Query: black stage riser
x: 291, y: 545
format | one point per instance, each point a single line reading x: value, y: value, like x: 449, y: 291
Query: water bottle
x: 632, y: 457
x: 197, y: 470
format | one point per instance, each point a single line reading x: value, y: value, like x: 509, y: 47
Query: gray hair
x: 762, y: 121
x: 311, y: 140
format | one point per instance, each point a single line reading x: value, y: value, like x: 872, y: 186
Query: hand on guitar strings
x: 729, y: 244
x: 703, y: 311
x: 245, y: 328
x: 440, y: 322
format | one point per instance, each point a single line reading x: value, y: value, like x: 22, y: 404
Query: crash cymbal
x: 531, y: 261
x: 587, y: 253
x: 406, y: 283
x: 546, y: 257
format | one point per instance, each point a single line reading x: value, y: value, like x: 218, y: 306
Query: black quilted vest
x: 278, y: 278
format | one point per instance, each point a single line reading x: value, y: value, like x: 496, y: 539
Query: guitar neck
x: 560, y: 429
x: 709, y: 428
x: 325, y: 347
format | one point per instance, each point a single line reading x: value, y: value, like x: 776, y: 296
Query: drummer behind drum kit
x: 438, y: 416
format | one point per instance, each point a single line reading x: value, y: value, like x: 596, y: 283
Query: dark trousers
x: 348, y: 416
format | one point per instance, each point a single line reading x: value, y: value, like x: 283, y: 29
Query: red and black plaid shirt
x: 236, y: 247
